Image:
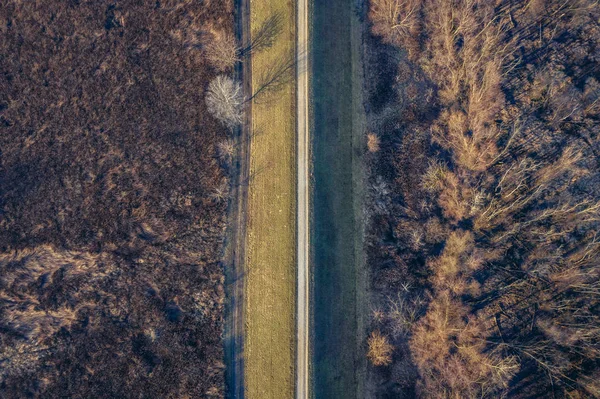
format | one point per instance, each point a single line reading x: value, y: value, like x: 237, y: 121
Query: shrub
x: 372, y: 142
x: 380, y: 349
x: 222, y: 51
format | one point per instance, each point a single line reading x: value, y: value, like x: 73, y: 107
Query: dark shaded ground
x: 236, y: 224
x: 112, y: 201
x: 337, y: 133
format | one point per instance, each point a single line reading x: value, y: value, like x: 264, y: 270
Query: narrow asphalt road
x: 303, y: 192
x: 337, y: 146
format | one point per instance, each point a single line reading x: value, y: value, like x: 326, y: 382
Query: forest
x: 114, y: 184
x: 484, y: 199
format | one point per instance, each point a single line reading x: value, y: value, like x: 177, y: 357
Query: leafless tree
x: 221, y: 192
x: 396, y: 21
x: 520, y: 167
x: 226, y: 151
x: 224, y: 100
x: 222, y: 51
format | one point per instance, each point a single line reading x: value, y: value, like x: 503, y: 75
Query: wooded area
x: 113, y: 193
x: 485, y: 198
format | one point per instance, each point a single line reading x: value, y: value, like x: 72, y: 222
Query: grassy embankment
x: 270, y: 287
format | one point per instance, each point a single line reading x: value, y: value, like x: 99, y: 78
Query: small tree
x: 224, y: 100
x: 380, y: 349
x: 226, y: 151
x: 372, y: 142
x: 222, y: 51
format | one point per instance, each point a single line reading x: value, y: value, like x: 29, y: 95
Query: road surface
x: 338, y: 142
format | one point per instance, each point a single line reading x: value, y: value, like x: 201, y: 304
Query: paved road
x: 302, y: 154
x: 337, y: 137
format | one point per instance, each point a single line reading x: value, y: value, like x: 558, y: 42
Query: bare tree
x: 396, y: 21
x: 222, y: 51
x: 513, y: 197
x: 224, y: 100
x: 226, y: 151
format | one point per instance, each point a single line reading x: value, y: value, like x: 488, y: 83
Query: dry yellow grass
x: 270, y: 280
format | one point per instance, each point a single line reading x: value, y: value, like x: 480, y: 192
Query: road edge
x: 359, y: 125
x: 302, y: 203
x: 236, y: 248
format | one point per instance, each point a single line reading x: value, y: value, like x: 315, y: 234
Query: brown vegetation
x: 380, y: 349
x: 372, y: 142
x: 495, y: 205
x: 222, y: 50
x: 113, y: 199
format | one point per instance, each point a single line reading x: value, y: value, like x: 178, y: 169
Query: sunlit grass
x: 270, y: 284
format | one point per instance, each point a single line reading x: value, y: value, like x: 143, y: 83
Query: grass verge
x: 270, y: 280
